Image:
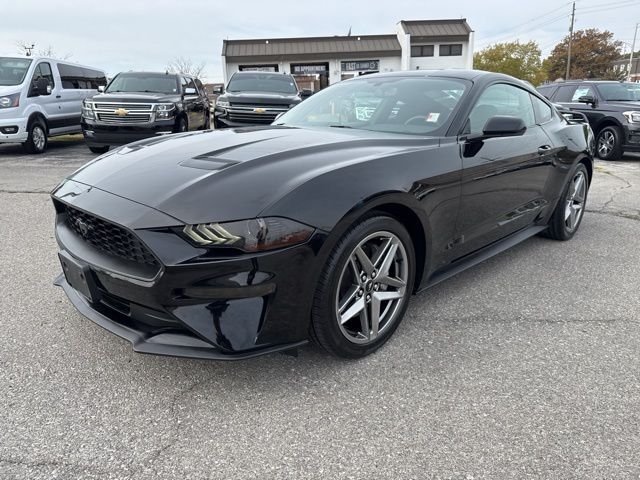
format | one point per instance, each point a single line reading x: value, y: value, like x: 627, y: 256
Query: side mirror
x: 189, y: 91
x: 219, y: 90
x: 306, y: 93
x: 503, y: 126
x: 101, y: 88
x: 587, y: 99
x: 42, y: 87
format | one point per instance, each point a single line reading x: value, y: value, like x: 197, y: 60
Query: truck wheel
x: 609, y: 143
x: 181, y: 126
x: 99, y: 150
x: 37, y: 138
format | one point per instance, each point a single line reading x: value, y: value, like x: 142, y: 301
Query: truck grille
x: 108, y: 237
x: 265, y: 114
x: 124, y: 113
x: 129, y: 118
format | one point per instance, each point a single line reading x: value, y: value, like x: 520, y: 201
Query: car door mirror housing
x: 503, y: 126
x: 101, y: 88
x: 219, y: 90
x: 588, y: 99
x: 42, y: 86
x: 305, y: 93
x: 189, y: 91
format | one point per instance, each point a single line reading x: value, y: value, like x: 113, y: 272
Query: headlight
x: 254, y: 235
x: 9, y: 101
x: 165, y: 110
x: 222, y: 103
x: 632, y: 117
x: 87, y: 110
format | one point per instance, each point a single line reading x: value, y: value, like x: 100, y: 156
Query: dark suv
x: 137, y: 105
x: 612, y: 108
x: 256, y: 98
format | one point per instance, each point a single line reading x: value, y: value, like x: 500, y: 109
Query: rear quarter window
x: 547, y: 91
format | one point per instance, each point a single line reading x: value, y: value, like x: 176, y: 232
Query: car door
x: 192, y: 104
x: 49, y: 104
x: 503, y: 179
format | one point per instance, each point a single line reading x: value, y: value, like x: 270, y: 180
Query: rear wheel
x: 99, y: 150
x: 609, y: 143
x: 37, y: 137
x: 364, y: 288
x: 568, y: 214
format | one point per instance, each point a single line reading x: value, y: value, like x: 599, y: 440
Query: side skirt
x: 481, y: 255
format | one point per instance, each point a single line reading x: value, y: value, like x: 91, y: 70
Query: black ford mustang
x: 229, y: 244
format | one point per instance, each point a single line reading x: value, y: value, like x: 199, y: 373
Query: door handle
x: 58, y: 96
x: 544, y: 149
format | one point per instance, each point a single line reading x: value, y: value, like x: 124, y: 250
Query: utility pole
x: 633, y: 47
x: 573, y: 17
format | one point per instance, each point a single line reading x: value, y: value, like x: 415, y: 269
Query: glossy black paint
x: 461, y: 198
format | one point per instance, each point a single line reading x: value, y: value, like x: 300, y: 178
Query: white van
x: 42, y: 97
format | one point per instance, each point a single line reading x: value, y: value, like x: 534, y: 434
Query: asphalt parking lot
x: 527, y: 365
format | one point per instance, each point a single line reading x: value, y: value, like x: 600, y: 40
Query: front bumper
x: 631, y: 138
x: 100, y: 135
x: 232, y: 307
x: 20, y: 136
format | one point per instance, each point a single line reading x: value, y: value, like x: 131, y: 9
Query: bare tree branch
x: 186, y: 66
x: 28, y: 49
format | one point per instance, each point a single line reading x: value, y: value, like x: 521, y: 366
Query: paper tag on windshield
x: 433, y: 117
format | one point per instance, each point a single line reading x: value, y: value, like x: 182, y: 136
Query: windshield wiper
x: 620, y: 100
x: 339, y: 126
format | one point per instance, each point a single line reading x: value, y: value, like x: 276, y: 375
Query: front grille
x: 245, y: 113
x: 129, y: 118
x: 252, y: 117
x: 132, y: 107
x: 108, y: 237
x: 280, y: 107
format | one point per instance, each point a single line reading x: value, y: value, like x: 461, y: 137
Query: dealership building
x: 320, y: 61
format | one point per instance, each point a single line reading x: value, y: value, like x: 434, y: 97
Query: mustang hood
x: 198, y: 177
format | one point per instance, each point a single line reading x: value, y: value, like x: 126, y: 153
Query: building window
x: 451, y: 50
x: 422, y: 51
x: 258, y: 68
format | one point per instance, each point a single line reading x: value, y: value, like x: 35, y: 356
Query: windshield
x: 621, y: 92
x: 13, y: 70
x: 412, y: 105
x: 144, y: 82
x: 262, y: 82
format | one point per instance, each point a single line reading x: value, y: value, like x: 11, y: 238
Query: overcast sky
x: 121, y: 35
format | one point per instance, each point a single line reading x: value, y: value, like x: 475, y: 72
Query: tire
x: 37, y: 137
x: 563, y: 225
x: 218, y: 125
x: 349, y: 338
x: 609, y: 143
x: 180, y: 126
x: 99, y: 150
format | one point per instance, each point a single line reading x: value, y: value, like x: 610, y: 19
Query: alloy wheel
x: 372, y: 287
x: 39, y: 138
x: 606, y: 142
x: 574, y: 205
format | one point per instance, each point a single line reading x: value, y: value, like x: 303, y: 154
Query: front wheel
x: 181, y: 126
x: 568, y: 214
x: 99, y: 150
x: 609, y: 143
x: 364, y: 289
x: 36, y: 138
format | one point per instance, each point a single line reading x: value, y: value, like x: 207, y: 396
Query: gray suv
x: 612, y: 108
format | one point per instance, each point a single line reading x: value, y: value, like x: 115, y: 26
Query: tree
x: 520, y: 60
x: 185, y: 66
x: 592, y: 55
x: 29, y: 49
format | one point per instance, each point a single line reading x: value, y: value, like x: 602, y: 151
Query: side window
x: 184, y: 83
x: 543, y: 112
x: 564, y: 94
x: 191, y: 83
x: 451, y: 50
x: 501, y: 99
x: 581, y: 91
x: 200, y: 87
x: 422, y: 51
x: 547, y: 91
x: 45, y: 71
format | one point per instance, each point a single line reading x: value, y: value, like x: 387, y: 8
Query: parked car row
x: 44, y: 97
x: 612, y: 109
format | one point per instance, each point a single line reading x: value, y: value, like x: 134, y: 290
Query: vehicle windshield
x: 144, y: 82
x: 620, y: 92
x: 262, y: 82
x: 410, y: 105
x: 13, y: 70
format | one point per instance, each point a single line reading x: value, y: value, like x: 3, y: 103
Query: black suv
x: 612, y: 108
x: 256, y: 98
x: 137, y: 105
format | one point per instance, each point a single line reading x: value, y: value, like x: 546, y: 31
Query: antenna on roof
x: 349, y: 33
